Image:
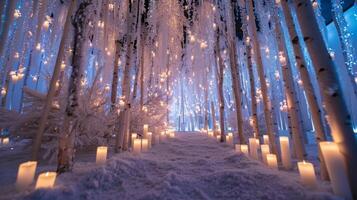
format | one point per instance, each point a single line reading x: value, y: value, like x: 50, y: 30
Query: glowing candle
x: 46, y: 180
x: 137, y: 146
x: 133, y: 137
x: 25, y: 174
x: 210, y: 133
x: 265, y: 151
x: 336, y: 169
x: 144, y: 145
x: 253, y: 148
x: 307, y: 174
x: 149, y: 139
x: 229, y: 139
x: 237, y: 148
x: 162, y: 136
x: 145, y: 130
x: 244, y: 149
x: 172, y: 134
x: 218, y: 138
x: 272, y: 161
x: 285, y: 152
x: 5, y: 141
x: 266, y: 139
x: 101, y: 157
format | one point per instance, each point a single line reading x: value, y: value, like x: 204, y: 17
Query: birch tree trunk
x: 316, y: 112
x: 9, y: 18
x: 292, y: 99
x: 263, y: 85
x: 67, y: 138
x: 52, y: 88
x: 338, y: 116
x: 114, y: 89
x: 213, y: 115
x: 220, y: 84
x: 121, y: 142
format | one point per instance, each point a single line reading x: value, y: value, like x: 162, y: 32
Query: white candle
x: 162, y: 136
x: 244, y: 149
x: 253, y: 148
x: 307, y: 174
x: 237, y: 148
x: 265, y: 151
x: 210, y: 133
x: 218, y: 138
x: 144, y: 145
x: 149, y: 139
x: 336, y: 169
x: 266, y: 139
x: 137, y: 146
x: 25, y: 174
x: 133, y: 137
x: 272, y: 161
x: 172, y: 134
x: 46, y: 180
x: 285, y: 152
x: 5, y: 141
x: 145, y: 130
x: 229, y: 139
x: 101, y: 157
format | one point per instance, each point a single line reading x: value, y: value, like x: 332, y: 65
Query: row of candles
x: 330, y: 152
x: 26, y: 171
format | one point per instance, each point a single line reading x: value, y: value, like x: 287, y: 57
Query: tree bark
x: 67, y: 138
x: 316, y: 112
x: 263, y: 85
x: 338, y: 116
x: 9, y: 18
x: 292, y: 99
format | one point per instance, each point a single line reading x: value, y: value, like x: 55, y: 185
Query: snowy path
x: 190, y: 166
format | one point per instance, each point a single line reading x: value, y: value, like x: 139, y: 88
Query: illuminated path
x: 190, y: 166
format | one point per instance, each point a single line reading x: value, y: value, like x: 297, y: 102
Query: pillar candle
x: 101, y: 157
x: 229, y: 139
x: 265, y: 151
x: 336, y: 169
x: 218, y: 138
x: 25, y: 174
x: 46, y: 180
x: 145, y: 130
x: 5, y: 141
x: 285, y: 152
x: 244, y: 149
x: 266, y: 139
x: 162, y: 136
x: 144, y: 145
x: 210, y: 133
x: 137, y: 146
x: 172, y: 134
x: 237, y: 148
x: 133, y: 137
x: 253, y: 148
x: 272, y: 161
x: 307, y: 174
x: 149, y: 139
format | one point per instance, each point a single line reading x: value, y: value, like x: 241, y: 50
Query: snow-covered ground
x: 190, y: 166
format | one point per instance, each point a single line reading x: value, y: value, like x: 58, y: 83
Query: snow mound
x: 190, y: 166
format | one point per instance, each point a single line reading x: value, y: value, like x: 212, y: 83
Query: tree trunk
x: 338, y: 116
x: 220, y: 76
x: 292, y: 99
x: 9, y: 18
x: 67, y: 138
x: 263, y: 85
x: 120, y: 142
x: 52, y: 88
x: 113, y: 95
x: 316, y: 113
x: 213, y: 115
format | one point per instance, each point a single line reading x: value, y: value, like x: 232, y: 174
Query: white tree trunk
x: 292, y: 99
x: 9, y: 16
x: 52, y: 88
x: 338, y: 116
x: 316, y: 113
x: 263, y: 85
x: 220, y: 75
